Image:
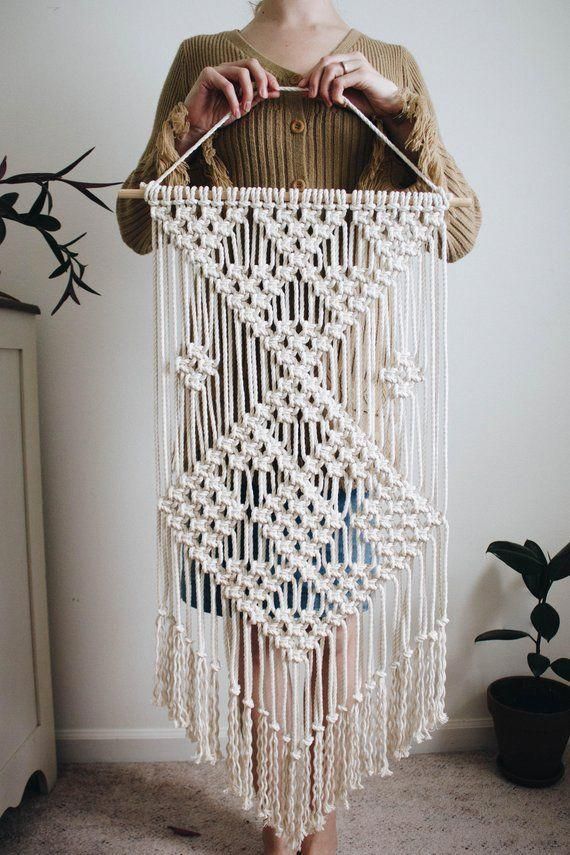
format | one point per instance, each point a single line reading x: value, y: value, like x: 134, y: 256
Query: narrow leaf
x: 49, y: 223
x: 39, y: 203
x: 87, y: 287
x: 537, y: 663
x: 59, y: 270
x: 71, y: 166
x: 69, y: 243
x: 93, y: 198
x: 60, y: 302
x: 30, y: 178
x: 2, y: 230
x: 502, y: 635
x: 76, y: 183
x: 3, y: 166
x: 545, y: 620
x: 54, y: 246
x: 9, y: 199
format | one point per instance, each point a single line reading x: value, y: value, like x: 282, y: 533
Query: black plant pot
x: 532, y: 725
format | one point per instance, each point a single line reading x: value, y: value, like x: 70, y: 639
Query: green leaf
x: 93, y: 197
x: 69, y: 243
x: 545, y: 620
x: 72, y: 165
x: 54, y: 246
x: 537, y: 663
x: 559, y: 567
x: 538, y: 583
x: 59, y: 270
x: 520, y: 558
x: 502, y: 635
x: 536, y: 550
x: 561, y: 668
x: 47, y: 222
x: 44, y: 222
x: 39, y: 203
x: 9, y: 199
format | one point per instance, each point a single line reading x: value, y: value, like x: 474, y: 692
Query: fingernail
x: 247, y: 106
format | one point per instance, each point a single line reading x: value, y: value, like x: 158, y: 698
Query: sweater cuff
x: 386, y: 170
x: 164, y: 153
x: 424, y: 136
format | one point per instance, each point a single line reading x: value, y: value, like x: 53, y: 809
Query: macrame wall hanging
x: 301, y: 408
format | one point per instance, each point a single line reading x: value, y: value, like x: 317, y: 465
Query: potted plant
x: 531, y: 713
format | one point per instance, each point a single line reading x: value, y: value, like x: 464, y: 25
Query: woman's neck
x: 297, y: 14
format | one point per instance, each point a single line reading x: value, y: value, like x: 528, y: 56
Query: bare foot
x: 322, y: 842
x: 273, y: 845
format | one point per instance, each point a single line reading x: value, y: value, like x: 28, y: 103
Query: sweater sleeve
x: 133, y: 215
x: 387, y: 169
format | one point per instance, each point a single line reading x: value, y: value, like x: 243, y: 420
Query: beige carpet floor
x: 433, y: 804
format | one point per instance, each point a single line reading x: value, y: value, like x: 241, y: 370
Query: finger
x: 315, y: 74
x: 330, y: 73
x: 273, y: 84
x: 353, y: 80
x: 259, y: 74
x: 246, y: 86
x: 353, y: 59
x: 311, y: 82
x: 262, y: 78
x: 218, y: 81
x: 243, y: 76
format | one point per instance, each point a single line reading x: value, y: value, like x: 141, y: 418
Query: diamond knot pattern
x: 302, y: 297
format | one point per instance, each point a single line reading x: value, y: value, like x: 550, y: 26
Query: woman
x: 288, y: 140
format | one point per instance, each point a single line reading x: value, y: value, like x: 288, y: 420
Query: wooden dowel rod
x: 138, y: 193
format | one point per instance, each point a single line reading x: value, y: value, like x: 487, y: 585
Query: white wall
x: 79, y: 74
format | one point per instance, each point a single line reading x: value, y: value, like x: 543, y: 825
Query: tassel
x: 215, y: 167
x: 424, y: 136
x: 165, y: 153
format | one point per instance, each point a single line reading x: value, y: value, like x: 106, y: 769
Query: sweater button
x: 298, y: 184
x: 297, y: 126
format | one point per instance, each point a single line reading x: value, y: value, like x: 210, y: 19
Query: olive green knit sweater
x: 296, y: 141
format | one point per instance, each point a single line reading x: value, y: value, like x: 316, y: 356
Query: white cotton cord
x: 395, y: 148
x: 301, y: 395
x: 347, y: 103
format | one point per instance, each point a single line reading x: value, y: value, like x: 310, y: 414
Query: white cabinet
x: 27, y: 743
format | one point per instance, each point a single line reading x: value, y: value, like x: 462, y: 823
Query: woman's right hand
x: 229, y: 86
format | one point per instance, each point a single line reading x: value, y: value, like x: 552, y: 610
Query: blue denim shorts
x: 353, y: 537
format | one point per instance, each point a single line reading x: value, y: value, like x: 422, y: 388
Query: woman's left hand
x: 351, y: 74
